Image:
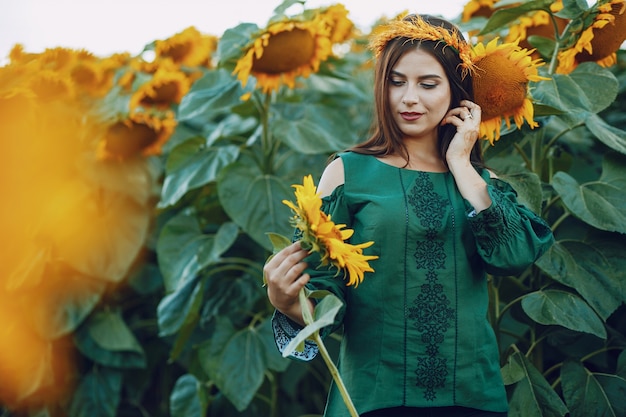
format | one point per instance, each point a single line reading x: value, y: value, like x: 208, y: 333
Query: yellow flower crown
x: 415, y: 28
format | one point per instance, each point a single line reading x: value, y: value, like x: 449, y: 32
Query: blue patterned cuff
x: 285, y: 330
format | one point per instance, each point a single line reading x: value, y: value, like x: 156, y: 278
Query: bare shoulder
x: 492, y: 174
x: 332, y: 177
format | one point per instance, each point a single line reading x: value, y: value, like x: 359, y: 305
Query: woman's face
x: 419, y: 94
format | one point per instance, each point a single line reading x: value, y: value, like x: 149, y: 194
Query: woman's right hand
x: 285, y: 277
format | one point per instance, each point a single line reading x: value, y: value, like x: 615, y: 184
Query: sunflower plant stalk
x: 320, y: 234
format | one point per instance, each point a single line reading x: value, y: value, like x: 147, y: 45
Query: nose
x: 410, y: 97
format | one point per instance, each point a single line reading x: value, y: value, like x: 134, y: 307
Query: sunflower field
x: 140, y: 190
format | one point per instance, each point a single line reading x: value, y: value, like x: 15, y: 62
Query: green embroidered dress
x: 415, y: 332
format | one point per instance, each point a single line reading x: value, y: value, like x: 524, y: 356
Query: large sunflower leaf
x: 235, y: 361
x: 611, y: 136
x: 595, y: 269
x: 175, y: 309
x: 177, y: 249
x: 201, y: 165
x: 528, y: 188
x: 188, y: 398
x: 556, y: 307
x: 254, y: 201
x: 232, y: 43
x: 69, y: 299
x: 98, y: 394
x: 106, y: 339
x: 589, y: 88
x: 533, y: 395
x: 601, y: 203
x: 312, y: 128
x: 589, y: 394
x: 214, y: 95
x: 500, y: 18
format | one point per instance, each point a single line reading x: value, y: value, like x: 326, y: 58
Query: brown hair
x: 386, y: 137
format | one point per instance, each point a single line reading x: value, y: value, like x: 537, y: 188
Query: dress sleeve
x: 322, y: 278
x: 509, y: 236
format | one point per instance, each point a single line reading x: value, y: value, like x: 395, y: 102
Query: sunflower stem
x: 307, y: 317
x: 335, y: 374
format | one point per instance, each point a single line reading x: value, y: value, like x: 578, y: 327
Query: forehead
x: 418, y: 61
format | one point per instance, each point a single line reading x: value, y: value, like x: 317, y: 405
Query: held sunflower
x: 501, y: 86
x: 322, y: 235
x: 284, y: 51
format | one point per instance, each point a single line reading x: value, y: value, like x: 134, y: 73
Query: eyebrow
x: 421, y: 77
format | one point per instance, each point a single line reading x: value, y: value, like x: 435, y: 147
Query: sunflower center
x: 178, y: 52
x: 125, y: 141
x: 286, y: 51
x: 163, y: 95
x: 499, y: 86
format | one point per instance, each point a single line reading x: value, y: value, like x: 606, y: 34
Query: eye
x: 396, y: 82
x: 429, y: 86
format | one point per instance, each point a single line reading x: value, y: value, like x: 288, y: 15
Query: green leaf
x: 214, y: 95
x: 601, y: 203
x: 502, y: 17
x: 279, y: 242
x: 222, y: 241
x: 611, y: 136
x: 67, y: 304
x: 106, y: 339
x: 174, y: 308
x: 621, y: 365
x: 234, y: 360
x: 513, y: 371
x: 528, y: 188
x: 254, y: 201
x: 556, y: 307
x: 589, y: 394
x: 324, y: 315
x: 598, y: 83
x: 591, y: 268
x: 573, y: 9
x: 232, y: 43
x: 196, y: 166
x: 178, y: 246
x: 588, y: 89
x: 533, y: 395
x: 312, y: 128
x: 273, y: 358
x: 98, y: 394
x: 188, y: 398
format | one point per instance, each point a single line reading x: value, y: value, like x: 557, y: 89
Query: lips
x: 409, y: 116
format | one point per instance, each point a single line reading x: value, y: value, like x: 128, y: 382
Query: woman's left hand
x: 466, y: 118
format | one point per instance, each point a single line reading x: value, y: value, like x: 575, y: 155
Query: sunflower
x: 284, y: 51
x: 538, y: 23
x: 501, y: 80
x: 51, y: 85
x: 478, y: 8
x: 189, y: 48
x: 325, y: 237
x: 600, y: 40
x: 341, y: 27
x: 139, y: 134
x: 166, y: 87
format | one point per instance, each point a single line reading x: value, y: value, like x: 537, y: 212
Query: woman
x: 416, y: 339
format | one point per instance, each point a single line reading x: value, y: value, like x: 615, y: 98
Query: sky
x: 104, y: 27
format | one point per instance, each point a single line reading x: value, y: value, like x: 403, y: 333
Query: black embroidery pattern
x: 431, y: 312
